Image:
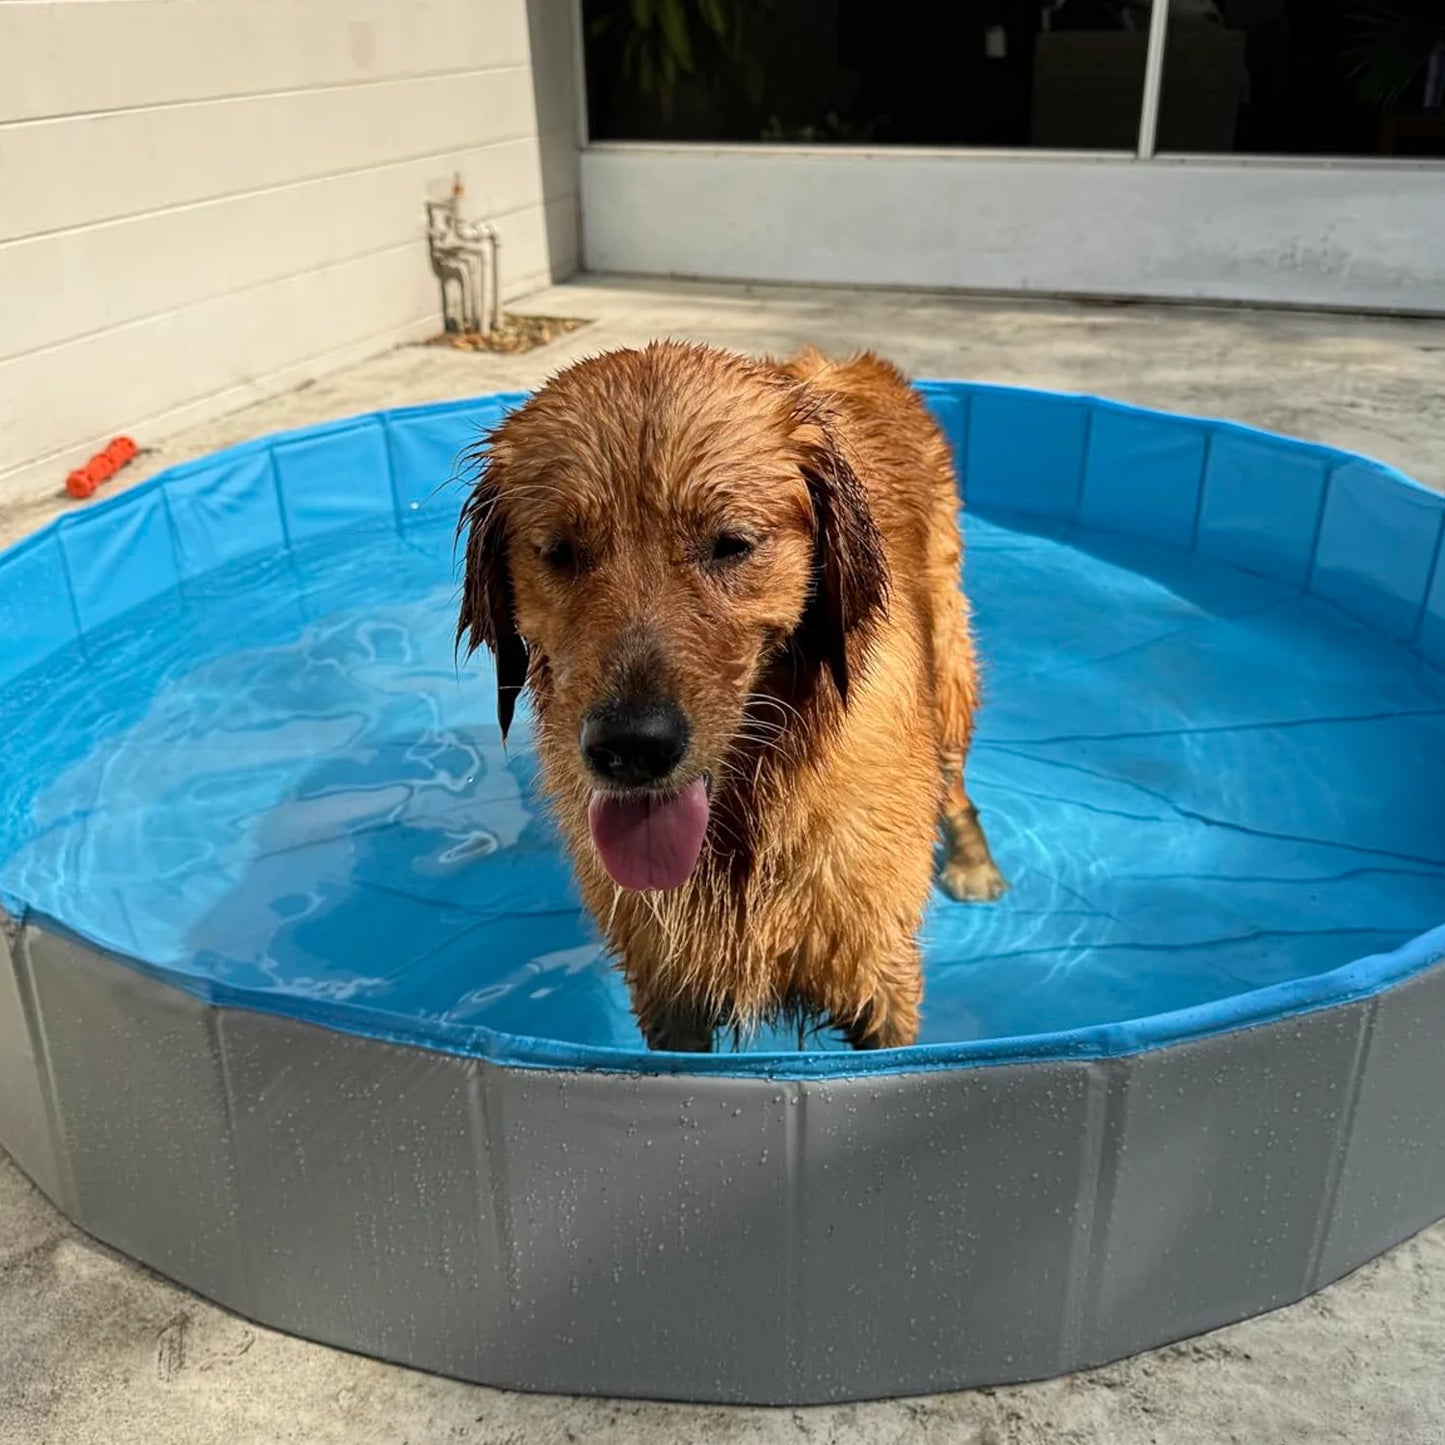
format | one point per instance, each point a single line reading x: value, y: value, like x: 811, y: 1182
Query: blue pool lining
x: 1342, y: 527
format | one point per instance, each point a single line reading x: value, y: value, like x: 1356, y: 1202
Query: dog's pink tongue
x: 648, y: 842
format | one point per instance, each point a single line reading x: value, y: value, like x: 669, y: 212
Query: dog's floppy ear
x: 487, y: 607
x: 850, y: 569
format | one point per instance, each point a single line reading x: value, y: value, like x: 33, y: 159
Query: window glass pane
x: 1305, y: 77
x: 1062, y: 74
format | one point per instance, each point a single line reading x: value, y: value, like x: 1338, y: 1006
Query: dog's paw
x: 975, y: 883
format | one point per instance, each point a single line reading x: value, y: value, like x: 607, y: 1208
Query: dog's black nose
x: 634, y: 744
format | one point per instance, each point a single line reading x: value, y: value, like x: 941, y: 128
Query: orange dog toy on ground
x: 83, y: 481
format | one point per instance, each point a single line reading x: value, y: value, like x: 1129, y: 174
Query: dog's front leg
x: 889, y: 1019
x: 677, y: 1026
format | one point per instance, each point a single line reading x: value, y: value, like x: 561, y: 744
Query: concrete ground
x: 95, y: 1349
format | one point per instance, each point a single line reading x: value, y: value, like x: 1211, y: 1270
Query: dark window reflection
x: 1053, y: 73
x: 1305, y: 77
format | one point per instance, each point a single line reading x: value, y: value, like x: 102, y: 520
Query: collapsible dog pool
x: 299, y: 1007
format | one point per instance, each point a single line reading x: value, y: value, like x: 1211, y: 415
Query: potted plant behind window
x: 660, y: 48
x: 1397, y: 61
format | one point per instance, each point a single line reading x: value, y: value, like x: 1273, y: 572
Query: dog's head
x: 665, y: 541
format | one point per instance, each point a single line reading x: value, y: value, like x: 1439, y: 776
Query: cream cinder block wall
x: 206, y: 201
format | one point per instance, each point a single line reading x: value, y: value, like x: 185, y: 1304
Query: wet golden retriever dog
x: 732, y: 588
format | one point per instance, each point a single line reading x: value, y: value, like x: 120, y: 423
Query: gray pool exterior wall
x: 718, y: 1238
x: 744, y: 1239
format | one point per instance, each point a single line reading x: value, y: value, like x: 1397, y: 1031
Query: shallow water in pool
x: 1198, y: 781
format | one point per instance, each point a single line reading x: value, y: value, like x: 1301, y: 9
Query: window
x: 1063, y: 74
x: 1305, y: 77
x: 1280, y: 77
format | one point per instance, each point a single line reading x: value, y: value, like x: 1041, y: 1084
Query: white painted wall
x: 1353, y: 235
x: 206, y: 201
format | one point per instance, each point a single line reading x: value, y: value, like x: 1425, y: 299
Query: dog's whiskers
x: 764, y: 699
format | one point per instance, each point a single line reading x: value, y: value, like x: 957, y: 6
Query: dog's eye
x: 560, y: 555
x: 730, y: 547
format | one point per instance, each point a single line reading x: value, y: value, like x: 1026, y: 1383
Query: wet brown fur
x: 829, y: 678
